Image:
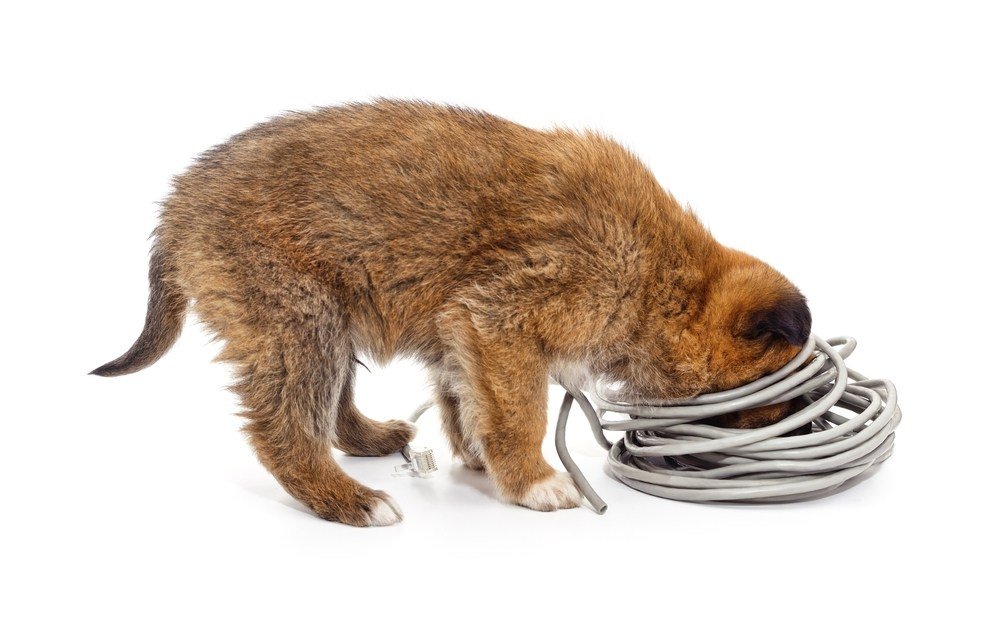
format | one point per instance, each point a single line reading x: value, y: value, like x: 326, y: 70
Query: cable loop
x: 668, y: 452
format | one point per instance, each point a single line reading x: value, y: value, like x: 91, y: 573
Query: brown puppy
x: 494, y: 253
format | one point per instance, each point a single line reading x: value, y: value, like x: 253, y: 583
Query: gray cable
x: 667, y: 453
x: 407, y: 450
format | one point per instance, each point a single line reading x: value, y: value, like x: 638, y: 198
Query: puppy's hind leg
x: 294, y: 373
x: 359, y: 435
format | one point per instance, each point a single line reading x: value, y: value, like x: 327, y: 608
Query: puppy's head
x: 748, y: 321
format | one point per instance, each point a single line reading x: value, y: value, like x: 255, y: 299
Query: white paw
x: 384, y: 512
x: 552, y: 493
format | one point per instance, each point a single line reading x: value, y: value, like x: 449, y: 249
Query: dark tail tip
x: 164, y: 319
x: 110, y: 369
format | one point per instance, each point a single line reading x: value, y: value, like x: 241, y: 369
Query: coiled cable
x: 666, y: 451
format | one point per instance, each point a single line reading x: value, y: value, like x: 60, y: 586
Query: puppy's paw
x: 376, y: 439
x: 383, y: 512
x: 396, y: 435
x: 365, y: 507
x: 554, y: 492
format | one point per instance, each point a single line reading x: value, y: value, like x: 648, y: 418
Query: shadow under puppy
x: 495, y: 254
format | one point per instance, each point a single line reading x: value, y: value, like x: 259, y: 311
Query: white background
x: 853, y: 146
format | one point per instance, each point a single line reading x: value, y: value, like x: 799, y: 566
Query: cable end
x: 421, y: 463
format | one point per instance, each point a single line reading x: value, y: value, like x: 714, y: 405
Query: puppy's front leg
x: 510, y: 385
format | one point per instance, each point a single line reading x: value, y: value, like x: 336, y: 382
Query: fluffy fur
x: 492, y: 252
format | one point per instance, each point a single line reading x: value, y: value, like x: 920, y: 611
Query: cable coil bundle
x: 667, y: 452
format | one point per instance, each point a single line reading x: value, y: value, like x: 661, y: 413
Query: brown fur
x: 494, y: 253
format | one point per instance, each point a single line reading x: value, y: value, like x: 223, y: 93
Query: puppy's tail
x: 164, y: 320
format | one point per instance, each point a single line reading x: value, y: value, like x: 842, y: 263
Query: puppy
x: 495, y: 254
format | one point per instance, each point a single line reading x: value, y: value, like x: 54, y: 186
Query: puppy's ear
x: 788, y: 319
